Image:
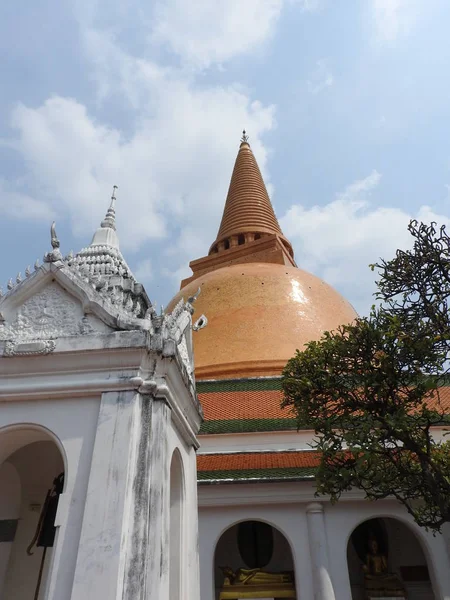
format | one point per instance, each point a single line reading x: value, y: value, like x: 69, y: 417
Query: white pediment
x: 48, y: 313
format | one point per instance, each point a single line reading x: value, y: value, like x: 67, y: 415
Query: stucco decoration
x: 55, y: 254
x: 91, y: 292
x: 173, y: 334
x: 48, y: 314
x: 29, y: 348
x: 105, y: 269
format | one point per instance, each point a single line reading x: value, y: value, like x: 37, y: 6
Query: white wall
x: 9, y: 509
x: 289, y: 519
x: 252, y: 501
x: 176, y: 544
x: 189, y: 560
x: 72, y: 425
x: 38, y: 464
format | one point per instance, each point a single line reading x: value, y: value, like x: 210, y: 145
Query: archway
x: 390, y: 547
x: 30, y: 461
x: 253, y: 547
x: 176, y: 532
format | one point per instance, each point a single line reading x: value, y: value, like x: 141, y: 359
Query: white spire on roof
x: 103, y: 258
x: 102, y: 267
x: 106, y: 234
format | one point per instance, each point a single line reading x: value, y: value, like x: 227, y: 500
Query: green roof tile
x: 288, y: 473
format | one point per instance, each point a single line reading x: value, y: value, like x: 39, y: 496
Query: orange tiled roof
x: 444, y: 398
x: 257, y: 460
x: 239, y: 410
x: 260, y: 404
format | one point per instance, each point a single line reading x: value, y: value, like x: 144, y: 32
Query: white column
x: 157, y: 563
x: 323, y: 588
x: 114, y: 533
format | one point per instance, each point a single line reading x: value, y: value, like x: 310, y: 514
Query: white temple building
x: 126, y: 473
x: 94, y: 386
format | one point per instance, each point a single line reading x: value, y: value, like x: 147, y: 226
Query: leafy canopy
x: 372, y: 389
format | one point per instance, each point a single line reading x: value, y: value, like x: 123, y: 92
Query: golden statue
x: 378, y: 582
x: 256, y: 583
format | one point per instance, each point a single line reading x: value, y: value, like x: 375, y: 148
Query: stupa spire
x: 248, y: 214
x: 106, y: 234
x: 249, y: 230
x: 110, y: 218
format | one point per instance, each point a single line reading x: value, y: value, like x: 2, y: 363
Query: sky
x: 346, y: 103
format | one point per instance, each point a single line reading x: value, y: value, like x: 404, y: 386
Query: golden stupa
x: 260, y: 307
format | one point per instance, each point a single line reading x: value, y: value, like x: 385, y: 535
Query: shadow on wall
x: 252, y: 545
x: 384, y: 554
x: 27, y: 473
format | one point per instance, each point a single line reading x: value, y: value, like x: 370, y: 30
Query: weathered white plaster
x: 318, y: 547
x: 10, y: 500
x: 270, y: 441
x: 255, y: 442
x: 88, y: 367
x: 38, y: 464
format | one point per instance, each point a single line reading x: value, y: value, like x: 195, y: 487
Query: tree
x: 372, y: 390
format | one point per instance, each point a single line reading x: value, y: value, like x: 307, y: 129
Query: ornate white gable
x: 48, y: 314
x: 92, y: 292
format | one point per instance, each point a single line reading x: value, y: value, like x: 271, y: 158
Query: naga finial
x: 56, y: 253
x: 54, y: 238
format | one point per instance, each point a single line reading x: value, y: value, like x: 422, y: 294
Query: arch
x: 417, y: 531
x: 406, y: 555
x: 10, y: 499
x: 283, y: 532
x: 37, y: 457
x: 177, y: 501
x: 22, y: 434
x: 227, y: 552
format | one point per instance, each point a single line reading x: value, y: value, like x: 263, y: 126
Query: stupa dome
x: 260, y: 307
x: 258, y: 315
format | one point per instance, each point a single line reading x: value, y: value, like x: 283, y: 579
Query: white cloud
x: 321, y: 78
x: 394, y: 18
x: 18, y: 205
x: 172, y: 160
x: 308, y: 5
x: 172, y: 171
x: 340, y: 239
x: 204, y: 32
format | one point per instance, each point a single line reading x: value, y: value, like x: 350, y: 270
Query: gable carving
x: 49, y: 314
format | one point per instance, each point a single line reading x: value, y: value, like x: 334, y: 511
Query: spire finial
x: 55, y: 254
x: 110, y: 219
x: 53, y: 237
x: 248, y: 214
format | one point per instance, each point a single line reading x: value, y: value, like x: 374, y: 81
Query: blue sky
x: 347, y: 105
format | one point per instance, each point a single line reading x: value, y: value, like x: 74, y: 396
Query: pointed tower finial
x: 53, y: 237
x: 248, y: 214
x: 55, y: 254
x: 110, y: 219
